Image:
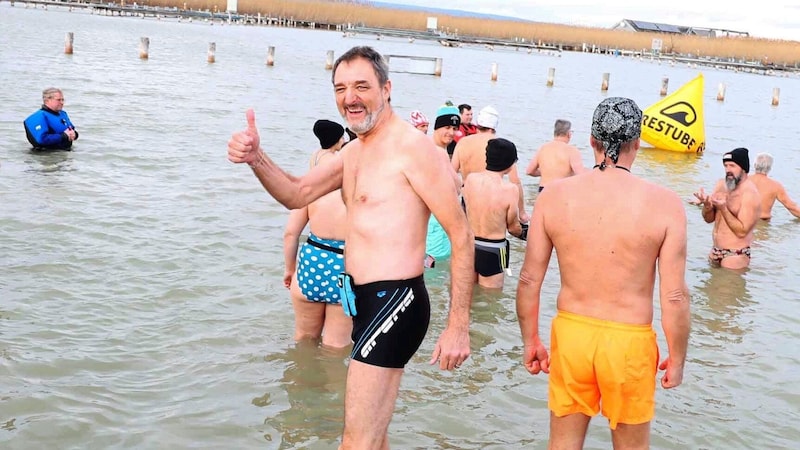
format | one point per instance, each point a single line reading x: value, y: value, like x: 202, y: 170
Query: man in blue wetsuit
x: 50, y: 128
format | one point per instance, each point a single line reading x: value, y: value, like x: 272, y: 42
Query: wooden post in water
x: 144, y: 48
x: 329, y: 60
x: 604, y: 85
x: 776, y: 96
x: 437, y: 68
x: 494, y: 71
x: 664, y: 86
x: 551, y: 75
x: 271, y: 55
x: 212, y: 49
x: 68, y: 43
x: 721, y: 92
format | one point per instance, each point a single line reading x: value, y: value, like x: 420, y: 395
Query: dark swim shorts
x: 391, y: 322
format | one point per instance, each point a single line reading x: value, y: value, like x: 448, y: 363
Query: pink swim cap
x: 417, y: 118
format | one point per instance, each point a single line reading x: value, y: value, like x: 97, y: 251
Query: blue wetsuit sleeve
x: 69, y: 123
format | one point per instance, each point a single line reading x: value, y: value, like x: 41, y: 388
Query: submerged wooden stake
x: 144, y: 48
x: 67, y: 42
x: 212, y: 49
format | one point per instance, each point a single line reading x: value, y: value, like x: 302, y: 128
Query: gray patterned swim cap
x: 616, y: 120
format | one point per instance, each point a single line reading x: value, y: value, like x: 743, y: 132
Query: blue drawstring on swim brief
x: 347, y: 294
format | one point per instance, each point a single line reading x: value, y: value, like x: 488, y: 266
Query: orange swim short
x: 601, y: 365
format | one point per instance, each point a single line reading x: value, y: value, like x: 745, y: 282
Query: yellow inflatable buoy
x: 675, y: 123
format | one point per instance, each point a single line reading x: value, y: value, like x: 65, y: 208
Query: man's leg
x: 735, y: 262
x: 492, y: 281
x: 631, y: 437
x: 369, y: 403
x: 568, y: 432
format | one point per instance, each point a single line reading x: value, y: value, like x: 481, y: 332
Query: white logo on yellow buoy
x: 676, y: 123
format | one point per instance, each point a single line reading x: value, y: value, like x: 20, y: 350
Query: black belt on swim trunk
x: 314, y: 243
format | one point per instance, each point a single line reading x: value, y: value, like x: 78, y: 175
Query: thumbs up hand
x: 244, y: 146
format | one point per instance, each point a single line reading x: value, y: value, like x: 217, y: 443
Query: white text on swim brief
x: 387, y: 324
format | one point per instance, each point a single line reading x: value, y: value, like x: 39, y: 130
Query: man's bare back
x: 608, y: 272
x: 469, y: 157
x: 771, y: 190
x: 555, y: 160
x: 470, y: 153
x: 491, y: 206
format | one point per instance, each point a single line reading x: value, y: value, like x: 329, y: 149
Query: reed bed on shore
x: 363, y: 13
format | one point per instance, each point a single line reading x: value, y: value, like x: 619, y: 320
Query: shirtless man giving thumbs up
x: 391, y: 184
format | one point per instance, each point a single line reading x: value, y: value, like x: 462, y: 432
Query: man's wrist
x: 260, y: 160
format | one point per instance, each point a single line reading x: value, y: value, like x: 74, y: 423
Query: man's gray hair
x: 379, y: 64
x: 763, y: 163
x: 562, y: 127
x: 50, y: 93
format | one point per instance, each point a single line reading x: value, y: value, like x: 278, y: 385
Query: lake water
x: 141, y: 303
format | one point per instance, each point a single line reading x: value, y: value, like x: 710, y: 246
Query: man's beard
x: 369, y: 119
x: 731, y: 181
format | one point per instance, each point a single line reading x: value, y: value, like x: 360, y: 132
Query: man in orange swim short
x: 611, y: 231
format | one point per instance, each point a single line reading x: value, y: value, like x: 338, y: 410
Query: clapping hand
x: 719, y: 199
x: 702, y: 198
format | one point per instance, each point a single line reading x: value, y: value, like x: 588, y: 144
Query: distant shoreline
x: 737, y: 53
x: 368, y: 14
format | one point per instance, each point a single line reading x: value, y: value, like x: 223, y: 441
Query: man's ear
x: 387, y: 91
x: 594, y: 143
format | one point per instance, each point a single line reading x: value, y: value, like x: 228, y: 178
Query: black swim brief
x: 392, y: 320
x: 491, y: 256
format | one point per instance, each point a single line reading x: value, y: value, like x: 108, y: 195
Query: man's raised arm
x: 290, y: 191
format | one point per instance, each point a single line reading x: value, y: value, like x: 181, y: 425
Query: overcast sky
x: 779, y: 19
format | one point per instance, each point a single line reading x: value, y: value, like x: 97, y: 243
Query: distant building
x: 654, y: 27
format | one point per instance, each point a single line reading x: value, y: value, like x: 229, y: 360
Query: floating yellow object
x: 675, y: 123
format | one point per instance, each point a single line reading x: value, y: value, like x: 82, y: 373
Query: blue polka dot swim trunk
x: 321, y: 261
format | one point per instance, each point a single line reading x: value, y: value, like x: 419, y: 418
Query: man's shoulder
x: 469, y: 139
x: 37, y: 113
x: 767, y: 183
x: 468, y: 145
x: 750, y: 186
x: 507, y: 185
x: 403, y: 134
x: 656, y: 190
